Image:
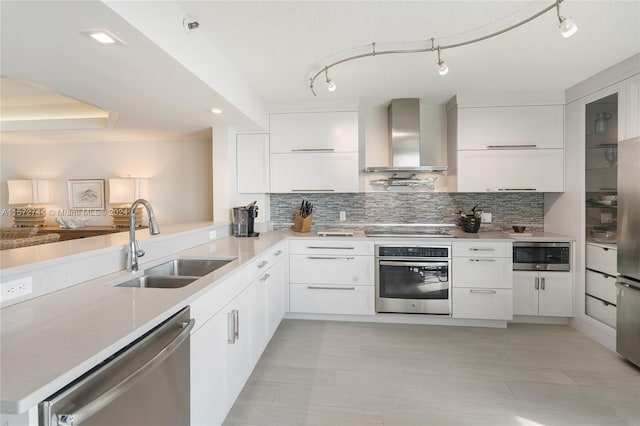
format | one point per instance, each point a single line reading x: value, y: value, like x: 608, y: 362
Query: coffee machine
x: 243, y: 218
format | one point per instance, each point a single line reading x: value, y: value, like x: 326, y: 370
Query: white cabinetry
x: 231, y: 336
x: 543, y: 293
x: 331, y: 277
x: 314, y: 152
x: 252, y: 163
x: 505, y: 148
x: 482, y: 280
x: 600, y: 283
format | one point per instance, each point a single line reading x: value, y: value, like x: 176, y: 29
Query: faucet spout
x: 134, y: 246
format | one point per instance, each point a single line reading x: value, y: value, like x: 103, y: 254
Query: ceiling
x: 275, y: 46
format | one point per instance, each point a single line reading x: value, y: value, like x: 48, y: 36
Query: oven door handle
x: 434, y: 264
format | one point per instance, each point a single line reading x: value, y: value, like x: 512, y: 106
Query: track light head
x: 567, y: 27
x: 331, y: 86
x: 443, y: 69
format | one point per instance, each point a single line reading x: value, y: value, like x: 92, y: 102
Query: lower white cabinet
x: 227, y: 346
x: 482, y: 303
x: 543, y: 293
x: 332, y: 299
x: 332, y: 277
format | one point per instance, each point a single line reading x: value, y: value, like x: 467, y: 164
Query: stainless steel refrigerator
x: 628, y: 283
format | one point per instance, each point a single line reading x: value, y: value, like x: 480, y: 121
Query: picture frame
x: 86, y: 194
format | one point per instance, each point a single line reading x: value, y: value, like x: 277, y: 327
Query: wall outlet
x: 343, y: 215
x: 17, y: 288
x: 212, y: 235
x: 487, y: 217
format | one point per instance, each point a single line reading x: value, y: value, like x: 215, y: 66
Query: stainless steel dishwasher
x: 147, y: 383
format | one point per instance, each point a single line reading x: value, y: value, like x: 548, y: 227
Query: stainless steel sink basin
x: 151, y: 281
x: 187, y: 267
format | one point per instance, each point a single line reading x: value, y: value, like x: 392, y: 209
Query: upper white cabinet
x: 314, y: 132
x: 632, y: 107
x: 510, y: 127
x: 252, y: 163
x: 505, y: 148
x: 314, y: 152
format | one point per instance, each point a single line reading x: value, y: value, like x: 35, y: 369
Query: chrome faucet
x: 134, y: 246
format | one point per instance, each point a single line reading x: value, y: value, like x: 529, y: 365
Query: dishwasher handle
x: 86, y: 411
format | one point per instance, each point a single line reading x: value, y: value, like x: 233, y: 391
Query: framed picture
x: 86, y: 194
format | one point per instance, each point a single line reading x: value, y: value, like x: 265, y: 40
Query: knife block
x: 302, y: 224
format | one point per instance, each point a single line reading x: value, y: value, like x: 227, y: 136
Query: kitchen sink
x: 187, y: 267
x: 153, y: 281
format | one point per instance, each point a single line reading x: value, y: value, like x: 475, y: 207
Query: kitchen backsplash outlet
x: 370, y: 208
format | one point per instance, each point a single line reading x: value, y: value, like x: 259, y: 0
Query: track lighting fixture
x: 566, y: 25
x: 331, y: 86
x: 443, y: 69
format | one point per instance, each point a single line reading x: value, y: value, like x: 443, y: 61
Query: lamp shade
x: 29, y: 191
x: 127, y: 190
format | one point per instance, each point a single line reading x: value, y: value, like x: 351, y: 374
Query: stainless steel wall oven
x: 413, y: 279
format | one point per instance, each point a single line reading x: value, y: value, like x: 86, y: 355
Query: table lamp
x: 123, y: 192
x: 31, y: 194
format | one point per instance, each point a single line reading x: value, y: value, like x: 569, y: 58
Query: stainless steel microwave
x: 541, y: 256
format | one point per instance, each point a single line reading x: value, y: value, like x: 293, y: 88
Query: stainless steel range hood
x: 404, y: 139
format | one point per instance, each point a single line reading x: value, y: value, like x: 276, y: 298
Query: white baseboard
x: 401, y: 319
x: 526, y: 319
x: 606, y: 339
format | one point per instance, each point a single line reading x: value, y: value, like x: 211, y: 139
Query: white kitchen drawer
x: 332, y: 299
x: 602, y: 259
x: 487, y: 303
x: 506, y: 126
x: 601, y: 286
x: 492, y: 272
x: 331, y: 269
x: 342, y: 247
x: 482, y: 249
x: 336, y: 131
x: 265, y: 261
x: 602, y: 311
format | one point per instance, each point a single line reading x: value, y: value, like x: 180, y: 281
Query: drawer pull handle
x: 330, y: 248
x: 313, y: 150
x: 482, y: 260
x: 482, y: 249
x: 319, y: 287
x: 483, y: 291
x: 265, y: 277
x: 329, y: 258
x: 313, y: 190
x: 511, y: 146
x: 513, y: 189
x: 278, y: 253
x: 263, y: 264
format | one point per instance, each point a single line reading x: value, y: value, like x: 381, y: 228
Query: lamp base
x: 120, y: 217
x: 27, y: 217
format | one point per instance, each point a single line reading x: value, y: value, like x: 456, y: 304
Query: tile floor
x: 340, y: 373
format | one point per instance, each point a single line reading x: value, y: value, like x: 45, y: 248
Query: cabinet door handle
x: 319, y: 287
x: 263, y: 264
x: 313, y: 150
x: 330, y: 248
x: 231, y: 327
x: 265, y: 277
x: 482, y: 260
x: 512, y: 189
x: 483, y: 291
x: 236, y: 324
x: 512, y: 146
x: 313, y: 190
x: 537, y: 283
x: 329, y: 258
x: 278, y: 253
x: 482, y: 249
x: 542, y: 283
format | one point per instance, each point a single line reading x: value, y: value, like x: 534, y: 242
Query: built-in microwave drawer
x: 603, y: 259
x: 601, y: 285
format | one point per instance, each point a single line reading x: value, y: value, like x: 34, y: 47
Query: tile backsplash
x: 371, y: 208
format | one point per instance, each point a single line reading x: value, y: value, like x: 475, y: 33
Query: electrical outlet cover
x: 487, y: 217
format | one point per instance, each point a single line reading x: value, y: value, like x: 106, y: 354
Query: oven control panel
x: 390, y: 251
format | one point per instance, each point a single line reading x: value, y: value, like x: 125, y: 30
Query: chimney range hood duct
x: 404, y: 139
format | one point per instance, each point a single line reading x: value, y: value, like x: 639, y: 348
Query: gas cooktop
x: 408, y: 233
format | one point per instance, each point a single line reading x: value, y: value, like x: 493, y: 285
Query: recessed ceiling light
x: 102, y: 36
x: 216, y: 111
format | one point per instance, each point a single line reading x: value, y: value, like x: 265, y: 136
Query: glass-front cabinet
x: 601, y: 144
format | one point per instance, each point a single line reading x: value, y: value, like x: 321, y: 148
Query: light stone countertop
x: 49, y: 341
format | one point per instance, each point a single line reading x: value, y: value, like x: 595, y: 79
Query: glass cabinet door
x: 601, y: 144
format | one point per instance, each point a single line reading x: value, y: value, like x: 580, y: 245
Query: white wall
x: 179, y: 172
